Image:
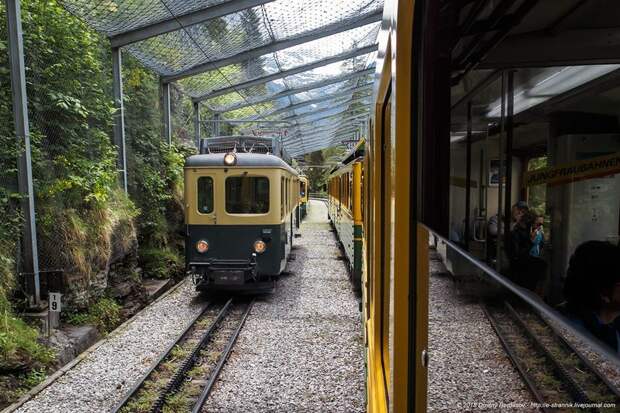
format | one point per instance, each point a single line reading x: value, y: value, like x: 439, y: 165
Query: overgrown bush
x: 161, y: 262
x: 105, y: 314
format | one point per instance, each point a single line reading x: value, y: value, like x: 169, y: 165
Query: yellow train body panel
x: 395, y: 281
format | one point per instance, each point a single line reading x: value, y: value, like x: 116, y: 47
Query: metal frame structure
x: 167, y: 118
x: 204, y: 15
x: 30, y: 253
x: 119, y: 115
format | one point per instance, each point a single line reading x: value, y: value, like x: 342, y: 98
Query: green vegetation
x: 317, y: 177
x: 83, y: 218
x: 161, y: 262
x: 19, y: 346
x: 105, y: 314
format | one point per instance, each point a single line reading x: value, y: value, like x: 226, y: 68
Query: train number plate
x: 233, y: 277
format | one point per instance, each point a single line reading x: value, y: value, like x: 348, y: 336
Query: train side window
x: 247, y: 195
x: 282, y: 195
x: 205, y: 195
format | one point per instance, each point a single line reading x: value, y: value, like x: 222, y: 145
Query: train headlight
x: 202, y: 246
x: 230, y: 159
x: 260, y: 246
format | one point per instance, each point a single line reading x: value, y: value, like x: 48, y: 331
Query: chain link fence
x: 83, y: 218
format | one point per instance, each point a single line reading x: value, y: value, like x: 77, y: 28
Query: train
x: 395, y: 243
x: 240, y: 205
x: 470, y: 121
x: 345, y: 210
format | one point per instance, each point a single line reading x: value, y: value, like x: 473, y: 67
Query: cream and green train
x: 239, y: 210
x: 345, y: 210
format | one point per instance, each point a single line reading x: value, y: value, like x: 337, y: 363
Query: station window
x: 247, y: 195
x: 205, y: 195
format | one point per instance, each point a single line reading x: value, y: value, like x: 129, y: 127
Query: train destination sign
x: 574, y: 171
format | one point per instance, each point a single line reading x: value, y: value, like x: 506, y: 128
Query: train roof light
x: 230, y: 159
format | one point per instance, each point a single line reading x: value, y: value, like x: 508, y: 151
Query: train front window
x: 247, y: 195
x: 205, y: 195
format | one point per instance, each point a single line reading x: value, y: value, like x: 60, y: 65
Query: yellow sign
x: 574, y: 171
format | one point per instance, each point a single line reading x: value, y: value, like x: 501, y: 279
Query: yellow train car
x: 345, y: 210
x: 395, y: 279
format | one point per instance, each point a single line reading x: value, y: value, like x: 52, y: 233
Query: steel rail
x: 528, y: 297
x: 575, y: 389
x: 222, y: 360
x: 514, y: 359
x: 179, y: 375
x: 558, y: 336
x: 138, y: 385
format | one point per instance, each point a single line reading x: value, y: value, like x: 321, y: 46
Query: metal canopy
x: 178, y: 22
x: 276, y: 46
x: 298, y: 90
x: 346, y: 92
x: 304, y: 68
x: 306, y: 61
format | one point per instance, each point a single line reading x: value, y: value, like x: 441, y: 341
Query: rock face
x: 96, y: 264
x: 124, y: 280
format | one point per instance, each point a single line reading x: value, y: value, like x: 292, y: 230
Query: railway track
x: 559, y: 376
x: 182, y: 378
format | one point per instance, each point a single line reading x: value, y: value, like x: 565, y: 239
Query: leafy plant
x: 160, y: 262
x: 105, y: 314
x: 34, y: 377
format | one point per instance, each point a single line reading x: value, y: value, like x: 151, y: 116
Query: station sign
x: 574, y: 171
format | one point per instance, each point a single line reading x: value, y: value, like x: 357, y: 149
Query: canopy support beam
x: 329, y: 30
x: 167, y: 120
x: 197, y: 123
x: 119, y: 115
x: 185, y: 20
x: 30, y: 253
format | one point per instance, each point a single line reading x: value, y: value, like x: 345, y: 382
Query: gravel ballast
x: 301, y: 348
x: 100, y: 379
x: 468, y: 369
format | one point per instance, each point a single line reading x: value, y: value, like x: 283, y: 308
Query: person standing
x: 519, y: 247
x: 537, y: 265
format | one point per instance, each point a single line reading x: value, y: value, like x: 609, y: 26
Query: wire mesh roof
x: 308, y: 62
